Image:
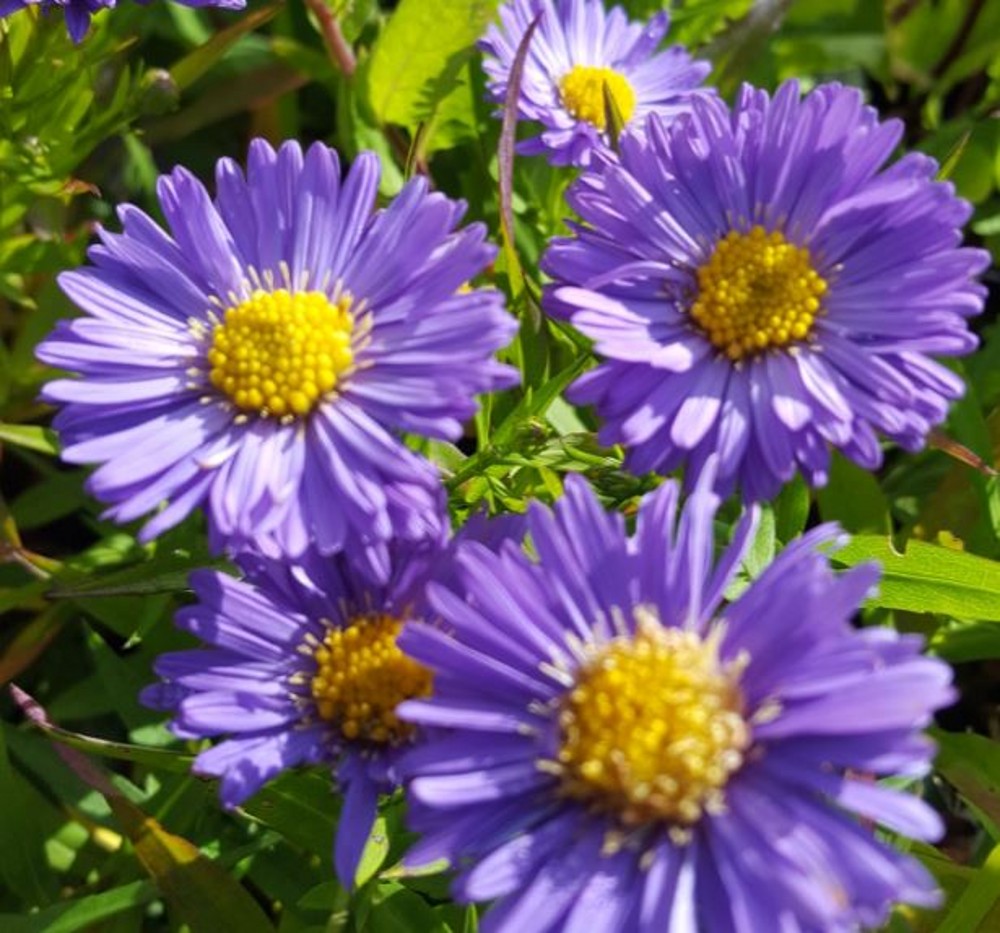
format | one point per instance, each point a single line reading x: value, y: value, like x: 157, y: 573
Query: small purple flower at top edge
x: 578, y: 53
x: 79, y: 12
x: 259, y: 359
x: 762, y: 288
x: 300, y: 666
x: 617, y: 748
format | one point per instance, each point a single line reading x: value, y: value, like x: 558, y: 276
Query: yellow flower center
x: 582, y: 92
x: 653, y: 729
x: 757, y: 291
x: 362, y: 676
x: 279, y: 352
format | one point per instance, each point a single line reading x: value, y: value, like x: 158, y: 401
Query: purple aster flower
x: 78, y: 12
x: 258, y: 359
x: 627, y: 751
x: 301, y: 667
x: 575, y: 53
x: 761, y: 287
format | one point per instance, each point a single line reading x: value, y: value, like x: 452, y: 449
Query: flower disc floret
x: 582, y: 93
x: 653, y: 728
x: 362, y: 676
x: 280, y: 352
x: 757, y: 291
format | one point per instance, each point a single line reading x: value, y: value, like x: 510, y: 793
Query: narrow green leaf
x: 761, y: 550
x: 791, y: 510
x: 22, y: 856
x: 190, y: 68
x: 977, y: 900
x: 971, y: 763
x: 166, y: 574
x: 954, y: 156
x: 200, y: 892
x: 158, y: 758
x: 929, y: 578
x: 613, y: 117
x: 31, y: 437
x: 84, y: 913
x: 958, y: 642
x: 505, y: 160
x: 374, y: 854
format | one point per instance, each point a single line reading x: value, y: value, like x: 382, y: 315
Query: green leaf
x: 978, y: 899
x: 958, y: 642
x: 163, y: 574
x: 853, y: 498
x: 928, y: 578
x: 190, y: 68
x: 396, y: 909
x: 85, y: 913
x: 31, y: 437
x: 302, y: 807
x: 613, y: 117
x: 415, y: 62
x: 199, y: 891
x: 22, y: 856
x: 761, y: 550
x: 971, y: 764
x: 374, y: 854
x: 791, y: 510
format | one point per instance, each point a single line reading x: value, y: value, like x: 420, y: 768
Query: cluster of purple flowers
x: 591, y: 729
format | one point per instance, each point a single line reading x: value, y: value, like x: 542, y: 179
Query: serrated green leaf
x: 415, y: 61
x: 928, y: 578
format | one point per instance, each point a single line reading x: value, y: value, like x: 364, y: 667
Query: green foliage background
x: 101, y: 826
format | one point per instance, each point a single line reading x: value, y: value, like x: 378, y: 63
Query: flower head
x: 301, y: 666
x: 578, y: 54
x: 761, y: 287
x: 259, y: 359
x: 627, y: 751
x: 78, y: 12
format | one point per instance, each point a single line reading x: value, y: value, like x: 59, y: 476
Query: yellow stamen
x: 582, y: 93
x: 653, y: 729
x: 280, y: 352
x: 757, y: 291
x: 362, y: 676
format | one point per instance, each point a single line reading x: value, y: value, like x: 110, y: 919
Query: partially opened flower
x: 578, y: 54
x: 760, y: 286
x: 300, y: 666
x: 259, y: 359
x: 78, y: 12
x: 621, y: 749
